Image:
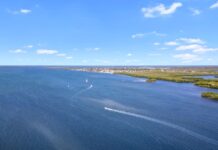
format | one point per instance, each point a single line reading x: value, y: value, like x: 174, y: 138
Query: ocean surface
x: 54, y: 109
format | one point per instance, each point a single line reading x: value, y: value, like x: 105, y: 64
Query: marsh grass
x: 210, y: 95
x: 176, y: 76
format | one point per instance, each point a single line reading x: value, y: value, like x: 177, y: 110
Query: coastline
x: 177, y: 75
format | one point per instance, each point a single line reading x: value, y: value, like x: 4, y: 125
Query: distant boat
x: 86, y: 80
x: 68, y: 85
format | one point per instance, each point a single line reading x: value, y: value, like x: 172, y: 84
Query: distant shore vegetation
x: 180, y: 76
x: 190, y: 74
x: 176, y: 76
x: 151, y: 80
x: 210, y: 95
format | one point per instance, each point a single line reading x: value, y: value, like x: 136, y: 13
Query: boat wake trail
x: 182, y: 129
x: 82, y: 91
x: 91, y: 86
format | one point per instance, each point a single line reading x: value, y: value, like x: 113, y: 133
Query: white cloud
x: 61, y: 55
x: 53, y: 52
x: 25, y: 11
x: 156, y: 43
x: 195, y: 12
x: 28, y: 46
x: 158, y: 34
x: 18, y: 51
x: 21, y: 11
x: 191, y: 40
x: 187, y: 57
x: 196, y: 48
x: 23, y: 50
x: 129, y: 54
x: 160, y: 10
x: 163, y: 48
x: 171, y: 43
x: 46, y: 52
x: 196, y: 45
x: 94, y: 49
x: 188, y: 47
x: 185, y: 41
x: 215, y: 5
x: 142, y: 35
x: 69, y: 57
x: 138, y: 35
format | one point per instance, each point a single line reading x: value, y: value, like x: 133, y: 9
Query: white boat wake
x: 83, y: 90
x: 91, y: 86
x: 182, y: 129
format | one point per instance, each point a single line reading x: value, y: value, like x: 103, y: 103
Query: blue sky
x: 108, y: 32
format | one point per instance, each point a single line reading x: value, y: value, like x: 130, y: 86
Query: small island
x: 210, y: 95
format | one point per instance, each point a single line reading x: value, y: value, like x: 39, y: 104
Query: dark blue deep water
x: 51, y: 109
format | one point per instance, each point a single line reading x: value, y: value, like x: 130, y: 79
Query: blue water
x: 53, y: 109
x: 207, y: 77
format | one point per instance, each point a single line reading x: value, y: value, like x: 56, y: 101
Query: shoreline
x: 176, y: 75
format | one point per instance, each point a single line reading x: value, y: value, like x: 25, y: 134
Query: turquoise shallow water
x: 51, y: 109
